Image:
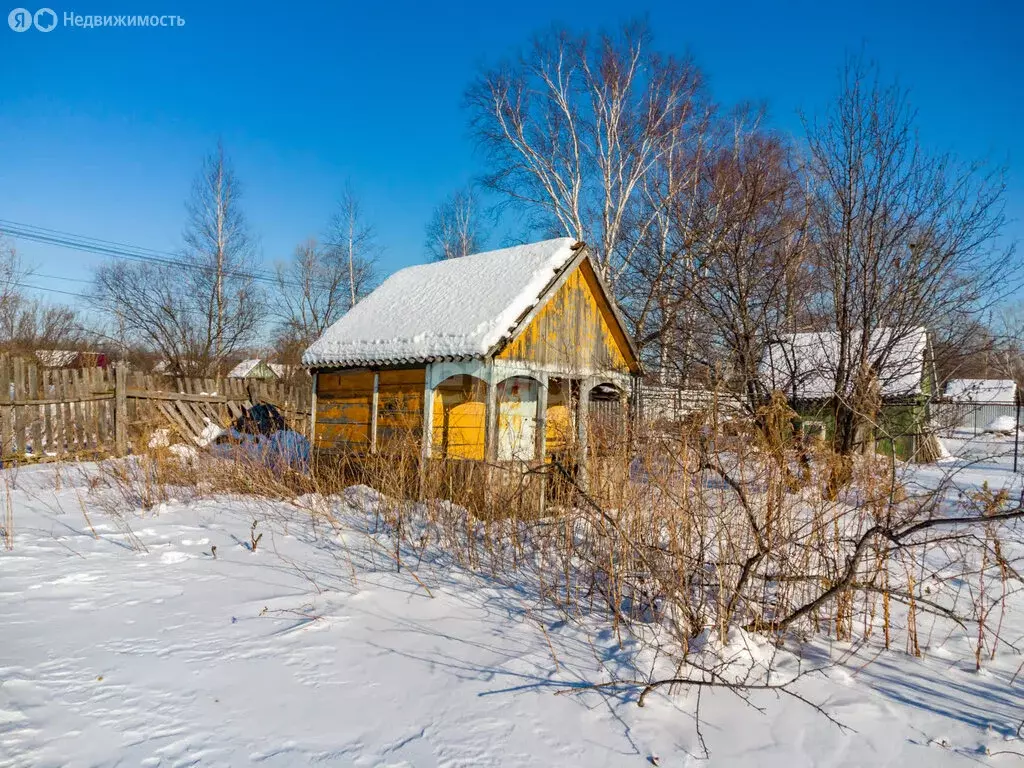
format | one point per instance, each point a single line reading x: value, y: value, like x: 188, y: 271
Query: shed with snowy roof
x: 500, y: 356
x: 804, y: 366
x: 253, y: 369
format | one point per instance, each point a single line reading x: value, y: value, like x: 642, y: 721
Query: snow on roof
x: 982, y: 390
x: 166, y: 366
x: 809, y: 361
x: 244, y: 368
x: 56, y: 358
x: 455, y: 308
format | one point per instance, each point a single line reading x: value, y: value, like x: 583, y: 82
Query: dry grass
x: 7, y: 530
x: 680, y: 535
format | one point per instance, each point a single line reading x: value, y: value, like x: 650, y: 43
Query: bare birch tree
x: 313, y: 290
x: 352, y: 241
x: 902, y: 238
x: 199, y: 311
x: 221, y: 254
x: 572, y: 128
x: 455, y: 228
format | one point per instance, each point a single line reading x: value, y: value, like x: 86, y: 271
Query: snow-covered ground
x: 160, y: 638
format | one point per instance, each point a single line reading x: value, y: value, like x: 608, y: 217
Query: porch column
x: 542, y: 418
x: 373, y: 412
x: 428, y: 412
x: 541, y: 439
x: 583, y: 431
x: 312, y: 413
x: 491, y: 415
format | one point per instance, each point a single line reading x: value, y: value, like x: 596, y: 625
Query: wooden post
x: 491, y: 415
x: 541, y: 425
x: 78, y: 390
x: 99, y: 408
x: 542, y: 418
x: 35, y: 411
x: 428, y: 414
x: 373, y: 411
x: 7, y: 417
x: 19, y: 411
x: 66, y: 423
x: 120, y: 410
x: 48, y: 394
x: 1016, y: 431
x: 582, y: 431
x: 312, y: 412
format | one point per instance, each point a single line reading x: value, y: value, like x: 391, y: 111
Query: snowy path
x: 312, y: 650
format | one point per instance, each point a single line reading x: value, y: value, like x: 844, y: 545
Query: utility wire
x: 52, y: 290
x: 103, y: 310
x: 118, y: 250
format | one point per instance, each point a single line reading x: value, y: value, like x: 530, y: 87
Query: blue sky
x: 102, y: 130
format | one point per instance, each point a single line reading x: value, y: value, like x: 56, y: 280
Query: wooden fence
x: 88, y: 412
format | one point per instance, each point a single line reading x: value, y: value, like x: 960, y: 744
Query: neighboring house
x: 982, y: 391
x: 803, y: 367
x: 70, y: 358
x: 501, y: 347
x: 285, y: 371
x: 252, y: 369
x: 167, y: 368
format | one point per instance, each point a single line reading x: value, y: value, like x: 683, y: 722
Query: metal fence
x: 655, y: 402
x: 973, y: 417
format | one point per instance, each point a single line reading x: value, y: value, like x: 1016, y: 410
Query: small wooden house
x: 803, y: 367
x: 70, y: 358
x: 252, y: 369
x: 500, y: 356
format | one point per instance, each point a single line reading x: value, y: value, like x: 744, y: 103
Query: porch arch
x: 518, y: 399
x: 459, y: 417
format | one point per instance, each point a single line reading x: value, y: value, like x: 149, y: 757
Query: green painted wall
x: 900, y: 424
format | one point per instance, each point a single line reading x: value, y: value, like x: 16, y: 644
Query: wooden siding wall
x: 400, y: 409
x: 343, y: 409
x: 344, y: 400
x: 575, y: 330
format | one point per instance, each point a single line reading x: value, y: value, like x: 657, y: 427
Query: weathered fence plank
x: 19, y: 411
x: 36, y: 426
x: 48, y: 410
x: 120, y: 410
x: 67, y: 438
x: 6, y: 415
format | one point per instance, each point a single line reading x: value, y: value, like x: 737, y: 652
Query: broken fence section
x: 53, y: 413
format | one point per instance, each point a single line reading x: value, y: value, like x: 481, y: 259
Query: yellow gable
x: 576, y: 330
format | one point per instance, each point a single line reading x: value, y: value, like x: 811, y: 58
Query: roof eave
x: 393, y: 362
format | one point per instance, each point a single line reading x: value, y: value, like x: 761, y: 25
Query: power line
x: 52, y: 290
x: 118, y: 250
x: 104, y: 310
x: 58, y: 277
